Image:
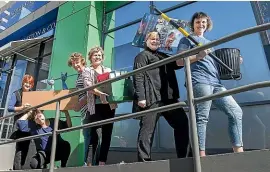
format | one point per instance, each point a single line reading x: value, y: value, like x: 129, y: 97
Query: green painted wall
x: 78, y: 28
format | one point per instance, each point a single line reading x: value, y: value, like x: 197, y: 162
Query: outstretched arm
x: 68, y: 122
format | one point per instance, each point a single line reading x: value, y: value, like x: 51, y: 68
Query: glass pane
x: 129, y: 34
x: 250, y: 46
x: 161, y: 5
x: 127, y: 14
x: 124, y: 56
x: 3, y: 79
x: 166, y: 134
x: 264, y: 14
x: 125, y: 133
x: 19, y: 73
x: 256, y: 133
x: 254, y: 117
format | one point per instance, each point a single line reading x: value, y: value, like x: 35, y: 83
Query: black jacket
x: 16, y: 133
x: 159, y: 84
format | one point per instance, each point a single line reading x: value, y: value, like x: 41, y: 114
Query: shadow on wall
x: 76, y: 156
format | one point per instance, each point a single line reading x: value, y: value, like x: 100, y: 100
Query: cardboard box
x: 37, y: 97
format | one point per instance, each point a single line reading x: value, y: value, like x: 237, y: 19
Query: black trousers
x: 176, y: 118
x: 21, y: 150
x: 42, y: 158
x: 100, y: 136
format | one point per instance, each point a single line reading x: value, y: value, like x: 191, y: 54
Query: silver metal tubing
x: 120, y: 118
x: 192, y: 118
x: 233, y: 91
x: 157, y: 64
x: 54, y: 137
x: 26, y: 138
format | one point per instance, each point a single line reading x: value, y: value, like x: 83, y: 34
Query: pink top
x: 88, y: 75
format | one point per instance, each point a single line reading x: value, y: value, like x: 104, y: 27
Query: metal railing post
x: 192, y: 118
x: 54, y: 136
x: 8, y: 126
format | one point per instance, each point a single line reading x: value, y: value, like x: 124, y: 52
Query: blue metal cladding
x: 18, y: 11
x: 43, y: 25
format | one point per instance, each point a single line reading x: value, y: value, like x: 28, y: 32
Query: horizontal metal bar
x: 233, y: 91
x: 178, y: 6
x: 123, y: 26
x: 46, y: 40
x: 138, y: 20
x: 51, y: 38
x: 33, y: 60
x: 157, y: 110
x: 120, y: 118
x: 155, y: 65
x: 118, y: 7
x: 107, y: 121
x: 26, y: 138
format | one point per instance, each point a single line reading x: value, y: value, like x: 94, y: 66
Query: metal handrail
x: 233, y: 91
x: 191, y: 99
x: 153, y: 65
x: 103, y: 122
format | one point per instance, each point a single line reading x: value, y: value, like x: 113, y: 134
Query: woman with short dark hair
x: 206, y: 81
x: 78, y: 63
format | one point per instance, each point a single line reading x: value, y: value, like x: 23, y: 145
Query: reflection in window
x: 129, y: 13
x: 161, y: 5
x: 125, y: 133
x: 252, y: 52
x: 123, y: 59
x: 3, y: 79
x: 125, y: 35
x: 18, y: 75
x: 250, y: 46
x: 44, y: 68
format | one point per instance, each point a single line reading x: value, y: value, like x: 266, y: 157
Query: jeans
x: 226, y: 104
x: 87, y: 136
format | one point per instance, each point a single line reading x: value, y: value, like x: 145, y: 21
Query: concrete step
x: 253, y: 161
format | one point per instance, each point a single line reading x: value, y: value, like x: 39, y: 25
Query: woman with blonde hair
x: 101, y: 111
x: 155, y: 88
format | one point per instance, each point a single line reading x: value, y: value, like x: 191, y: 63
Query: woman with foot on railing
x: 206, y: 81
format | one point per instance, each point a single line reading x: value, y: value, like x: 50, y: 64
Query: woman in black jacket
x: 15, y: 105
x: 154, y: 88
